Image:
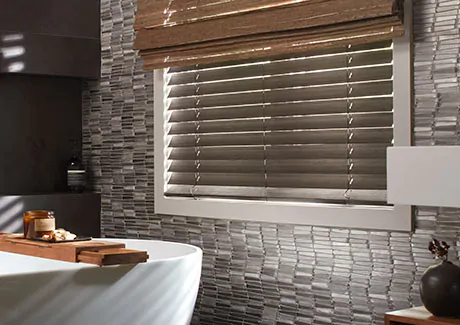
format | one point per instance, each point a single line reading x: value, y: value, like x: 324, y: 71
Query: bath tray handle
x: 113, y: 256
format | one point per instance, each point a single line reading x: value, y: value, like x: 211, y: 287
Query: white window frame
x: 395, y: 218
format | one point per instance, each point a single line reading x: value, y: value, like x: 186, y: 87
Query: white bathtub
x: 35, y: 291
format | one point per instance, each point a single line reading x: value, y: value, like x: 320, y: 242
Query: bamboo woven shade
x: 183, y: 32
x: 311, y: 127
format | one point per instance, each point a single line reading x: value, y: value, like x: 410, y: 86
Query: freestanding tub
x: 36, y: 291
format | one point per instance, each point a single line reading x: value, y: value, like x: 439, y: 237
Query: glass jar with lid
x: 38, y: 223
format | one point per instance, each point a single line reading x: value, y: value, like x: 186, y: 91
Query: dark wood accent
x: 92, y: 251
x: 15, y: 243
x: 417, y: 316
x: 113, y: 256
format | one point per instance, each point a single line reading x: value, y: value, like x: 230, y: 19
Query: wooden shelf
x: 417, y: 316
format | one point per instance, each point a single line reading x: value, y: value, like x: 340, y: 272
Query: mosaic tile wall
x: 261, y: 273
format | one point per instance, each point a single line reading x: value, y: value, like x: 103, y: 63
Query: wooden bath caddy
x: 92, y: 251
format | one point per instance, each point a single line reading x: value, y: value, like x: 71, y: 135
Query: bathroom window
x: 294, y: 139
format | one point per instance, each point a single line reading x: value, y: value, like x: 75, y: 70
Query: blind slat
x: 309, y: 151
x: 331, y: 121
x: 376, y: 88
x: 375, y: 182
x: 370, y: 182
x: 333, y: 136
x: 307, y: 64
x: 285, y: 81
x: 302, y: 108
x: 301, y: 194
x: 310, y: 166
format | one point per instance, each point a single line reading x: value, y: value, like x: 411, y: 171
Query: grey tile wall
x: 262, y: 273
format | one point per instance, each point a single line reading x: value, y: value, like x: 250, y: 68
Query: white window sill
x: 360, y: 217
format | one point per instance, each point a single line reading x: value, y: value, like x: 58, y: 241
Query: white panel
x: 428, y: 176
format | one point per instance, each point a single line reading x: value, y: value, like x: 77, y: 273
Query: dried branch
x: 439, y: 249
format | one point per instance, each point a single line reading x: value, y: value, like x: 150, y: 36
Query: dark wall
x: 79, y: 213
x: 75, y: 18
x: 50, y: 37
x: 39, y: 116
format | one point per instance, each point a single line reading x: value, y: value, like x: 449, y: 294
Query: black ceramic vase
x: 440, y: 289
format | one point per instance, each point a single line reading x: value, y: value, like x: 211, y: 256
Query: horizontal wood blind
x: 311, y: 127
x: 183, y: 32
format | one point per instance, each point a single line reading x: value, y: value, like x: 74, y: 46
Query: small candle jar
x: 38, y: 223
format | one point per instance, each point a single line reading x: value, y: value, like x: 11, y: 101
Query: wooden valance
x: 186, y: 32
